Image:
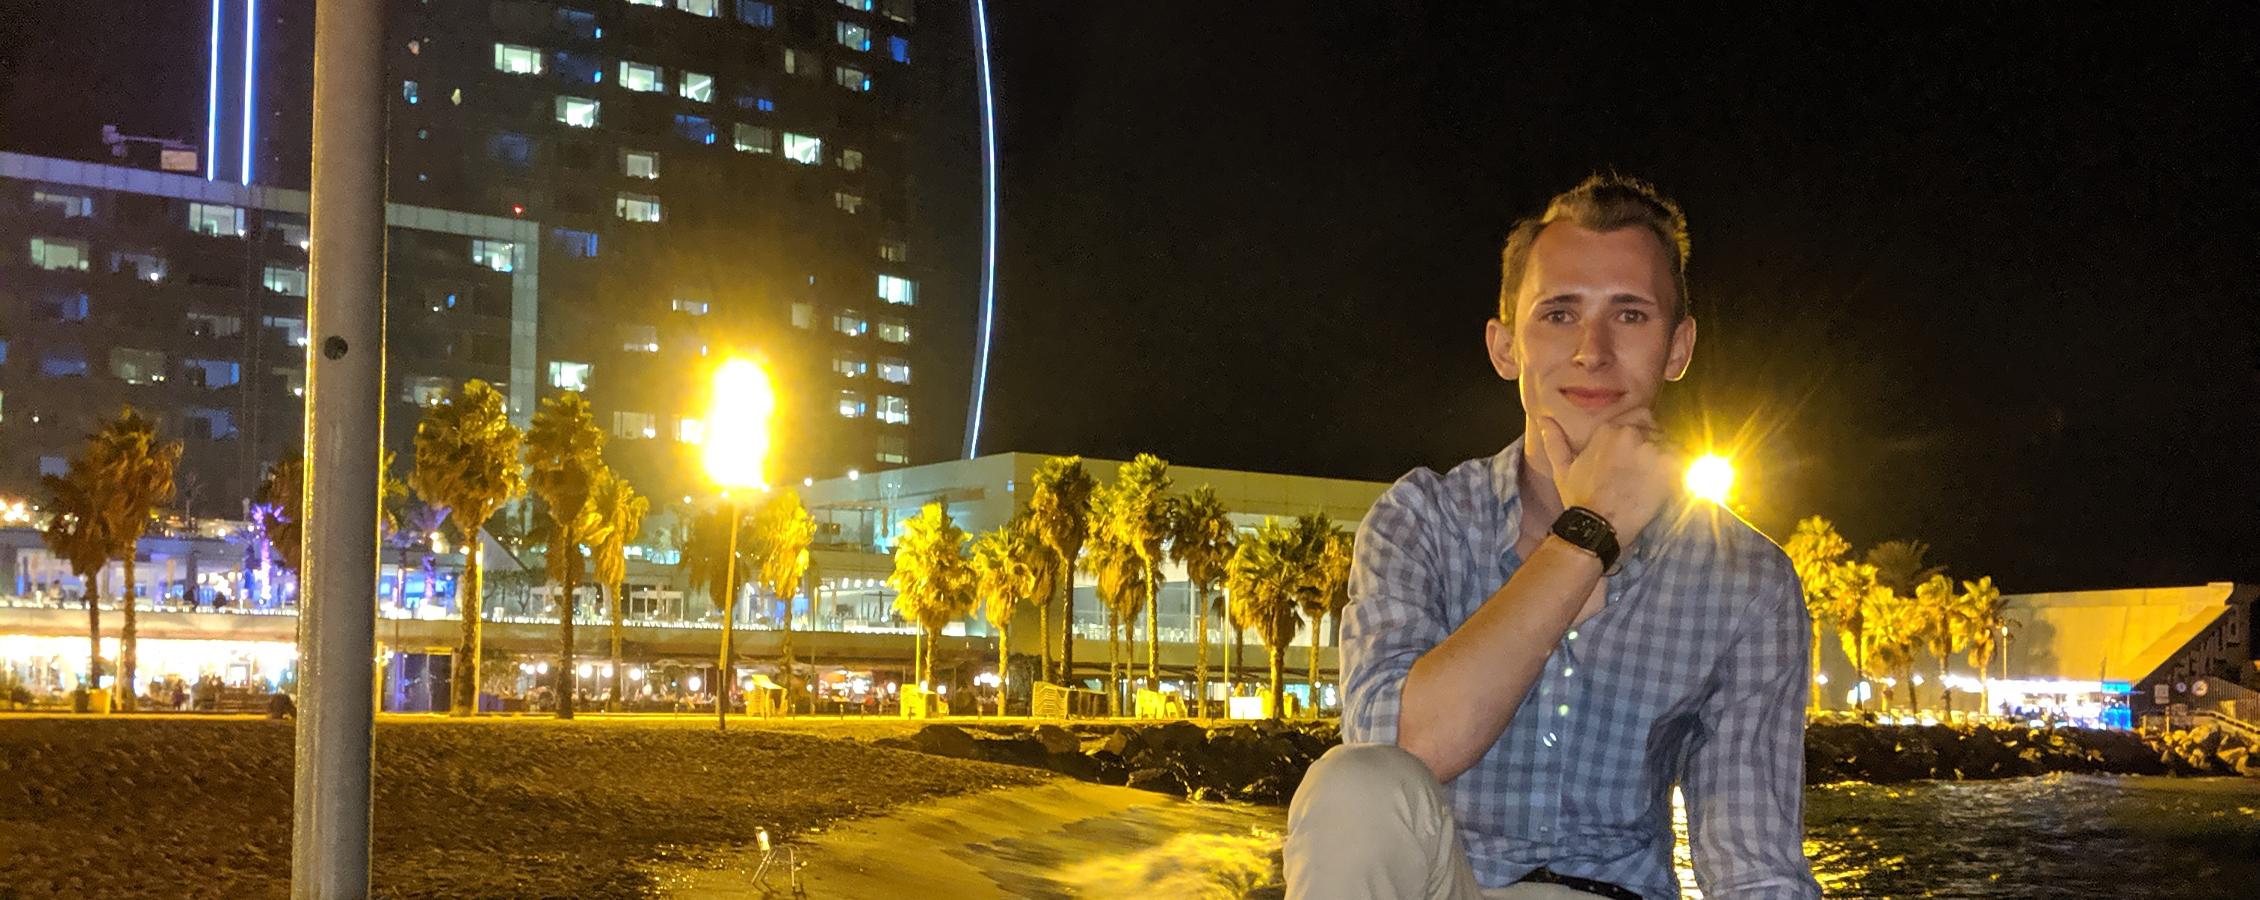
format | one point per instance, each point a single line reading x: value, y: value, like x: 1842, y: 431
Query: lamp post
x: 737, y: 446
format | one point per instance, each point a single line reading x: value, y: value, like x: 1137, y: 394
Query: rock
x: 946, y: 740
x: 1179, y: 735
x: 1073, y: 765
x: 1160, y: 781
x: 1058, y: 740
x: 1017, y: 751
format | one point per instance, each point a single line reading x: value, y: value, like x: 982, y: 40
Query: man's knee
x: 1358, y: 775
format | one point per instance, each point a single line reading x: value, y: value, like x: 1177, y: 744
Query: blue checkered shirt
x: 1693, y: 674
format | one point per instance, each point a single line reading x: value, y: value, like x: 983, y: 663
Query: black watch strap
x: 1588, y: 530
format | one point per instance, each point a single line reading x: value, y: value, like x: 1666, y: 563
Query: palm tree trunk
x: 1813, y: 683
x: 1315, y: 624
x: 1278, y: 687
x: 1153, y: 629
x: 463, y: 685
x: 1945, y: 691
x: 1044, y: 640
x: 1200, y: 642
x: 619, y: 671
x: 1239, y: 667
x: 568, y: 680
x: 786, y: 677
x: 126, y: 643
x: 93, y: 595
x: 1067, y: 623
x: 1860, y: 666
x: 1004, y: 659
x: 1113, y: 663
x: 725, y: 671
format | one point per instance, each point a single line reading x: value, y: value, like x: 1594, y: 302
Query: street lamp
x: 737, y: 446
x: 1710, y: 477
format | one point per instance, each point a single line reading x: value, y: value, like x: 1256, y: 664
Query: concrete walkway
x: 1062, y: 839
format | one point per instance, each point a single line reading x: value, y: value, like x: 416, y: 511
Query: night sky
x: 1979, y: 277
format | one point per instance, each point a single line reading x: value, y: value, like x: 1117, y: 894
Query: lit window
x: 639, y: 164
x: 898, y: 49
x: 754, y: 139
x: 636, y: 76
x: 578, y: 68
x: 408, y: 92
x: 857, y: 5
x: 850, y: 323
x: 206, y: 325
x: 54, y: 255
x: 569, y: 376
x: 853, y: 36
x: 696, y: 7
x: 894, y: 251
x: 852, y: 405
x: 898, y: 291
x: 662, y: 4
x: 637, y: 207
x: 579, y: 112
x: 577, y: 244
x: 898, y: 10
x: 894, y: 410
x: 501, y: 256
x: 294, y: 380
x: 62, y: 364
x: 852, y: 78
x: 850, y: 203
x: 801, y: 148
x: 801, y: 63
x: 757, y: 13
x: 639, y: 338
x: 689, y: 430
x: 215, y: 219
x: 72, y: 206
x: 137, y: 366
x: 517, y: 60
x: 139, y: 266
x: 206, y: 423
x: 698, y: 86
x: 804, y: 315
x: 851, y: 160
x: 629, y: 424
x: 211, y: 373
x: 894, y: 331
x: 284, y: 281
x: 894, y: 448
x: 424, y: 390
x: 894, y: 369
x: 695, y: 129
x: 52, y: 465
x: 693, y: 307
x: 67, y: 307
x: 850, y: 365
x: 291, y: 329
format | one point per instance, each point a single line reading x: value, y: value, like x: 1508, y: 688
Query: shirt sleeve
x: 1396, y: 608
x: 1745, y: 781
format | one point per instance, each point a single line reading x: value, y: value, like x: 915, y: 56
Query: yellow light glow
x: 737, y: 424
x: 1710, y: 477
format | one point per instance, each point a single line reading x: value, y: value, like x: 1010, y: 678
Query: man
x: 1540, y: 644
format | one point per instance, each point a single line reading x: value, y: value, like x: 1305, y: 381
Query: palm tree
x: 1938, y: 631
x: 1201, y: 540
x: 467, y: 463
x: 564, y: 453
x: 74, y: 532
x: 621, y: 510
x: 782, y: 532
x: 133, y: 474
x: 1894, y: 628
x: 1900, y: 566
x: 1139, y: 518
x: 1814, y: 551
x: 1262, y: 579
x: 1060, y: 508
x: 932, y: 579
x: 1983, y: 615
x: 1322, y: 552
x: 281, y: 493
x: 712, y: 559
x: 1005, y: 575
x: 1851, y: 586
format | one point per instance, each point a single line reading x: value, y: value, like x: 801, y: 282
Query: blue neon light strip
x: 250, y: 70
x: 988, y: 231
x: 212, y: 102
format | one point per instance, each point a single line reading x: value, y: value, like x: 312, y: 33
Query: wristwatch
x: 1587, y: 530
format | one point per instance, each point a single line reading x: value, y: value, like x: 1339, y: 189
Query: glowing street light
x: 1710, y: 477
x: 737, y: 448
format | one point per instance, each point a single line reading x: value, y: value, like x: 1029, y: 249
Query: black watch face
x: 1582, y: 528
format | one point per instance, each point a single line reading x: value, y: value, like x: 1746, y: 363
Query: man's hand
x: 1625, y: 473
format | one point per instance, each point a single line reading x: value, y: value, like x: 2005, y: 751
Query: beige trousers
x: 1370, y: 822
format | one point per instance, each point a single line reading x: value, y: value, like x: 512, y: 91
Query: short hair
x: 1601, y: 203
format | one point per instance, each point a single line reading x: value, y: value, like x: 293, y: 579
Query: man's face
x: 1593, y: 335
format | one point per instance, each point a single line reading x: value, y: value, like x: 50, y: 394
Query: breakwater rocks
x: 1263, y: 762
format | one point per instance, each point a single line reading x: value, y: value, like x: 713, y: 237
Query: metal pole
x: 344, y: 433
x: 725, y: 675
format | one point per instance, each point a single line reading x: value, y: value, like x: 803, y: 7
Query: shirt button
x: 1573, y: 634
x: 1550, y: 739
x: 1568, y: 671
x: 1562, y: 710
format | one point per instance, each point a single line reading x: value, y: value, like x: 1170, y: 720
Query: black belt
x: 1543, y: 875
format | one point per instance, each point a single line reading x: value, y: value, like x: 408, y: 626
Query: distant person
x: 280, y: 706
x: 1541, y: 643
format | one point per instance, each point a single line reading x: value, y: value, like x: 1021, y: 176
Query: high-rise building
x: 711, y: 177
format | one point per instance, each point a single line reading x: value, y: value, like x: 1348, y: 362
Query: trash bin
x: 98, y: 701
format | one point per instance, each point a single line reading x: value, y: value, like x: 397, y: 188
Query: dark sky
x: 1977, y: 276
